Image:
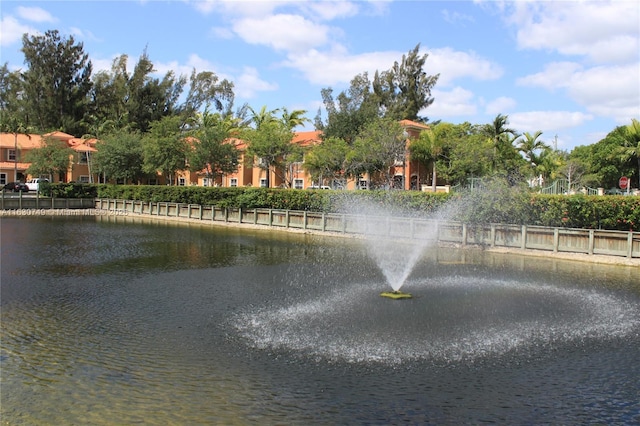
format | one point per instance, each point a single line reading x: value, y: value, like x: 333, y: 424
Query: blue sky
x: 570, y: 69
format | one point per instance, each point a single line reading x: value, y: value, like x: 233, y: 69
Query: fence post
x: 239, y: 214
x: 630, y: 244
x: 304, y: 220
x: 493, y: 235
x: 556, y: 239
x: 523, y: 237
x: 591, y: 240
x: 464, y: 234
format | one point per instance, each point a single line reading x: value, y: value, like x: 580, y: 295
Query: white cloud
x: 11, y: 31
x: 554, y: 75
x: 329, y: 10
x: 452, y: 65
x: 500, y: 105
x: 291, y: 33
x: 603, y: 31
x: 455, y: 17
x: 612, y: 91
x: 337, y: 66
x: 547, y: 121
x: 223, y: 33
x: 35, y: 14
x: 237, y: 8
x: 249, y: 82
x: 454, y: 103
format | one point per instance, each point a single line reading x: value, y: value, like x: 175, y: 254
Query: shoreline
x: 596, y: 258
x: 578, y: 257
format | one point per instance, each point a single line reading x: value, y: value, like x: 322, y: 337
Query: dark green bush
x: 498, y: 203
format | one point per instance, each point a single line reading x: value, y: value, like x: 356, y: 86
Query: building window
x: 263, y: 183
x: 11, y: 154
x: 153, y: 181
x: 83, y: 158
x: 298, y: 183
x: 83, y: 179
x: 364, y: 184
x: 233, y: 182
x: 181, y: 181
x: 3, y: 178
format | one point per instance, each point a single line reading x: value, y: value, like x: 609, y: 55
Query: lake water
x: 121, y: 321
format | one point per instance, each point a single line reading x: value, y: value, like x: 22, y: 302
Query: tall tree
x: 206, y: 90
x: 294, y: 118
x: 631, y: 147
x: 164, y: 148
x: 150, y: 99
x: 270, y: 143
x: 350, y: 111
x: 212, y: 150
x: 57, y: 81
x: 119, y: 155
x: 12, y: 95
x: 327, y: 160
x: 52, y: 158
x: 109, y: 97
x: 11, y: 123
x: 405, y: 89
x: 376, y: 149
x: 501, y: 137
x: 532, y: 148
x: 428, y: 148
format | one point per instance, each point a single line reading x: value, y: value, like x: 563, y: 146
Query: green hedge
x: 499, y: 204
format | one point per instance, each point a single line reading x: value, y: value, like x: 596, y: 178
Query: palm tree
x: 632, y: 144
x: 499, y: 134
x: 14, y: 126
x: 294, y: 118
x: 530, y: 145
x: 427, y: 148
x: 258, y: 118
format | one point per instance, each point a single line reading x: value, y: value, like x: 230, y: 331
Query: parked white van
x: 34, y: 184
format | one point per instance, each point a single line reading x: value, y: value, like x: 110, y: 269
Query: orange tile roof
x: 7, y: 140
x: 59, y: 135
x: 414, y: 124
x: 307, y: 138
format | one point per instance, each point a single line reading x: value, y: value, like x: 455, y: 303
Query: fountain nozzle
x: 396, y: 294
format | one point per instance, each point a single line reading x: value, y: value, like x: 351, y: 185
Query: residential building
x: 407, y: 174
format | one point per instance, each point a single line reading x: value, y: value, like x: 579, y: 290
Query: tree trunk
x: 434, y: 178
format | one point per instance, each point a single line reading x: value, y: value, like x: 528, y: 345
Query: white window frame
x: 298, y: 183
x: 263, y: 183
x: 233, y: 182
x: 84, y: 179
x: 11, y: 154
x: 182, y: 181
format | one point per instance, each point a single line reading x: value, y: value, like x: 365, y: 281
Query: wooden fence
x: 36, y: 202
x: 559, y: 240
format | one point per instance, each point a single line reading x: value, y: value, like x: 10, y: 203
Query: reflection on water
x: 109, y: 321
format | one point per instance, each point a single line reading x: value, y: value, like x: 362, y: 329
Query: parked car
x: 15, y: 187
x: 34, y: 184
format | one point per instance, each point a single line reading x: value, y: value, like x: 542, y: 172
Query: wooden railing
x: 566, y: 240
